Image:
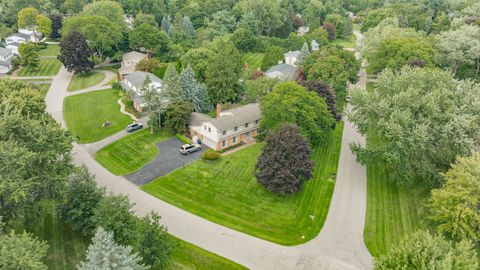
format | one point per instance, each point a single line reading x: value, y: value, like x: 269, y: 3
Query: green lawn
x: 67, y: 247
x: 81, y: 81
x: 132, y: 152
x: 51, y: 50
x: 254, y: 61
x: 392, y: 211
x: 346, y: 43
x: 226, y: 192
x: 86, y: 113
x: 47, y: 67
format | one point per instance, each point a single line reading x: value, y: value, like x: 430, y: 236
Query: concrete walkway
x: 339, y: 245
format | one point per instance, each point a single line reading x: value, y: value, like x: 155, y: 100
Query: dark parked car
x: 134, y: 126
x: 186, y: 149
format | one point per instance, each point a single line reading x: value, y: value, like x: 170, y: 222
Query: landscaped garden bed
x: 226, y: 192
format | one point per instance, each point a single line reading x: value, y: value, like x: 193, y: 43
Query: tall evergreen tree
x: 57, y: 23
x: 187, y: 27
x: 171, y: 85
x: 21, y: 251
x: 347, y: 28
x: 166, y: 23
x: 194, y: 92
x: 223, y: 73
x: 104, y: 253
x: 75, y: 53
x: 153, y: 102
x: 303, y: 55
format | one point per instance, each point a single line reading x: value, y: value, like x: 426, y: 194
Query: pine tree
x: 171, y: 85
x: 194, y: 92
x: 104, y: 253
x: 347, y: 29
x: 166, y: 23
x: 187, y: 27
x: 303, y: 55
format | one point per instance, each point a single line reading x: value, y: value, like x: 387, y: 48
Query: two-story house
x: 5, y: 60
x: 133, y: 84
x: 230, y: 127
x: 23, y: 36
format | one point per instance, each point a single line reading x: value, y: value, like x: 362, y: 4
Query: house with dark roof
x: 285, y: 71
x: 229, y: 127
x: 133, y: 84
x: 5, y: 60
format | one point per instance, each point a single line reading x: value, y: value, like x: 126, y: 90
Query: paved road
x: 167, y: 160
x: 338, y: 246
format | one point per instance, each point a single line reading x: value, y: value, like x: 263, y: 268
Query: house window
x: 223, y: 143
x: 236, y: 128
x: 234, y: 139
x: 224, y: 132
x: 205, y: 127
x: 209, y: 130
x: 246, y: 125
x: 247, y: 135
x: 256, y: 122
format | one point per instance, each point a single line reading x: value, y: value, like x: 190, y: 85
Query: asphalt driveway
x: 167, y: 160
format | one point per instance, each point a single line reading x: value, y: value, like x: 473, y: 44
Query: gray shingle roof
x: 238, y: 116
x: 283, y: 71
x: 22, y: 35
x: 196, y: 119
x: 137, y: 78
x: 16, y: 44
x: 4, y: 52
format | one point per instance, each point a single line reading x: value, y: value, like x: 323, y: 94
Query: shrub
x: 210, y: 154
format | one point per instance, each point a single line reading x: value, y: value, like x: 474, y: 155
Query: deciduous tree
x: 110, y: 10
x: 57, y: 23
x: 284, y: 164
x: 331, y: 30
x: 114, y: 213
x: 222, y: 74
x: 424, y: 251
x: 29, y: 55
x: 81, y: 198
x: 418, y: 121
x: 198, y: 59
x: 325, y: 91
x: 454, y: 206
x: 75, y: 54
x: 177, y: 115
x: 273, y: 54
x: 292, y: 103
x: 149, y: 38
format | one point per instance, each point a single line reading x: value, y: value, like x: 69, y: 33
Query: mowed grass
x: 84, y: 80
x: 393, y: 212
x: 187, y: 256
x: 47, y: 67
x: 86, y: 113
x: 254, y: 61
x: 345, y: 42
x: 51, y: 50
x: 132, y: 152
x: 67, y: 248
x: 226, y: 192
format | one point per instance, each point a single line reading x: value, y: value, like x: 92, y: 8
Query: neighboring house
x: 230, y: 127
x: 287, y: 71
x: 23, y: 36
x: 133, y: 84
x: 302, y: 30
x: 129, y: 62
x: 5, y: 60
x: 314, y: 45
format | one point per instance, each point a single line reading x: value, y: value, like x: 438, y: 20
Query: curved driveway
x: 339, y: 245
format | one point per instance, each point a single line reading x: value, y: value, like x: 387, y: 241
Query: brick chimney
x: 219, y: 110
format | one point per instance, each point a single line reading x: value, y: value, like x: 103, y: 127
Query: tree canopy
x: 418, y: 120
x: 292, y: 103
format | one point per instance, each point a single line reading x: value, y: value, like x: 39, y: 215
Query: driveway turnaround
x: 339, y: 245
x: 167, y: 160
